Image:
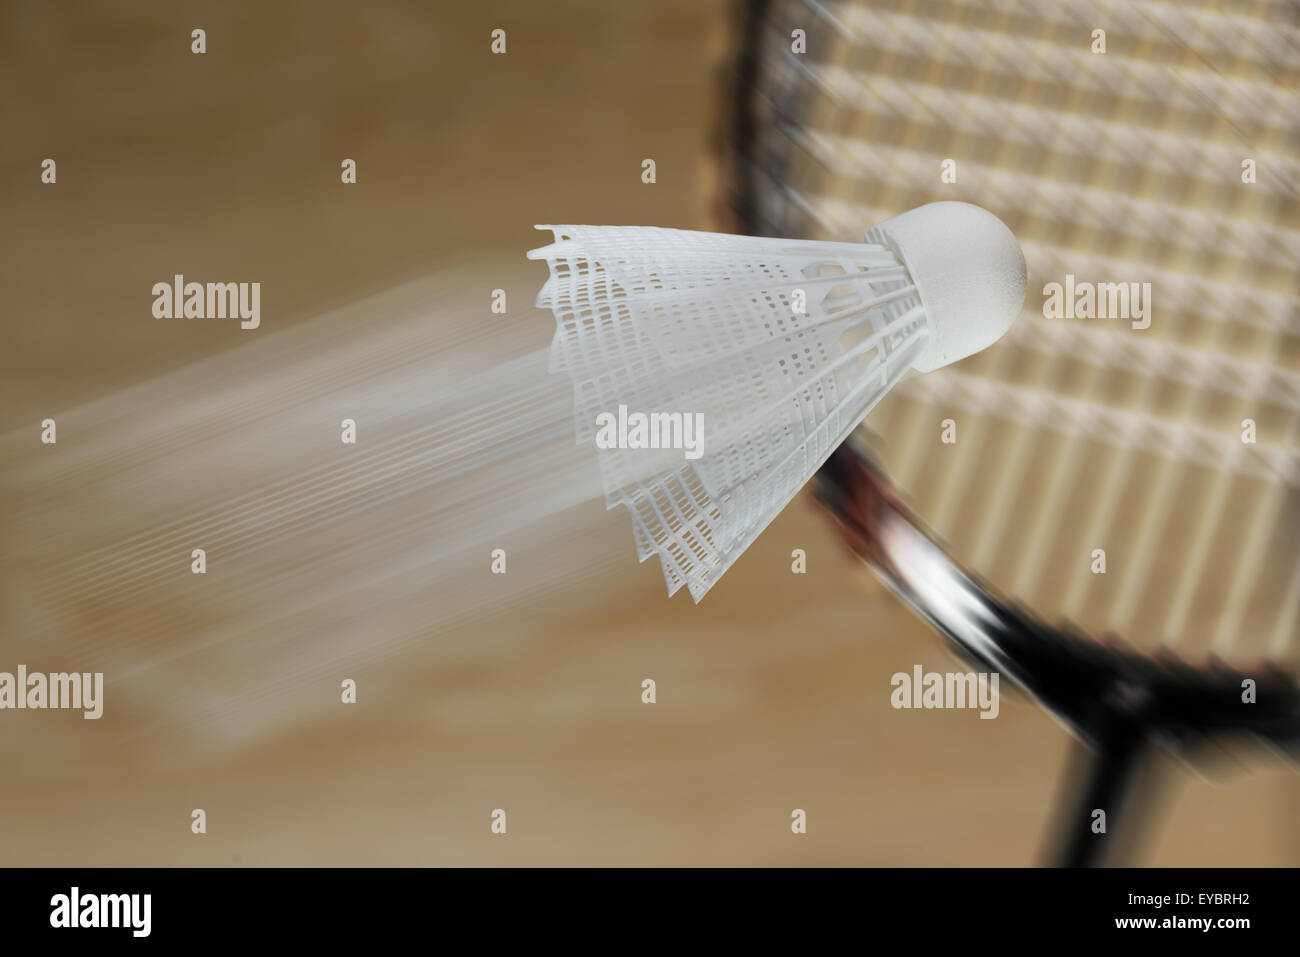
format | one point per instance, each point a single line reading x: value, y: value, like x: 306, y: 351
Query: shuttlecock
x: 716, y: 373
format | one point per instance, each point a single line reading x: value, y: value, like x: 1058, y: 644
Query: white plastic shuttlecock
x: 782, y: 346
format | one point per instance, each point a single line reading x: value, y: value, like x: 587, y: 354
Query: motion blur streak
x: 360, y: 547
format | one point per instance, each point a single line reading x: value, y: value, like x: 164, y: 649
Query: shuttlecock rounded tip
x: 969, y: 273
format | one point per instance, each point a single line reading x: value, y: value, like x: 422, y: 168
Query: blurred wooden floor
x: 773, y: 694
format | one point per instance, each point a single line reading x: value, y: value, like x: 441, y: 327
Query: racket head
x: 1126, y: 480
x: 1089, y: 684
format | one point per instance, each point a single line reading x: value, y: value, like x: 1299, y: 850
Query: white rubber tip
x: 969, y: 273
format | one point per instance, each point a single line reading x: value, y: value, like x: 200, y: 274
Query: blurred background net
x: 1123, y: 167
